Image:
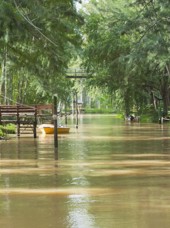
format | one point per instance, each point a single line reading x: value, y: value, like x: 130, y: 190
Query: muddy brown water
x: 109, y: 174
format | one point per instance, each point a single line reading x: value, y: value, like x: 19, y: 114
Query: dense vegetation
x: 37, y: 41
x: 122, y: 44
x: 8, y: 129
x: 127, y: 51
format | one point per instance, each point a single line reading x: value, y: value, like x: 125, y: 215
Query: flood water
x: 109, y: 174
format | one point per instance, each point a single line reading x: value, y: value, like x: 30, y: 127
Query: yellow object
x: 49, y: 129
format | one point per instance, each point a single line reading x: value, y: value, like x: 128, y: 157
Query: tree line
x: 127, y: 49
x: 37, y: 41
x: 122, y: 44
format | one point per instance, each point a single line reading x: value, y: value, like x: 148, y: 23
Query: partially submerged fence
x: 21, y: 115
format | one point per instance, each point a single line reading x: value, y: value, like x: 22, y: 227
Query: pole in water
x: 55, y: 153
x: 77, y: 111
x: 77, y: 120
x: 65, y: 113
x: 55, y: 123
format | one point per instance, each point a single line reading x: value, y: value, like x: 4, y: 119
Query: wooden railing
x: 19, y: 115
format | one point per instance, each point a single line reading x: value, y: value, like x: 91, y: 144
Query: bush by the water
x: 7, y: 129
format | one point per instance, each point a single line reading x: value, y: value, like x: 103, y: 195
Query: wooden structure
x: 21, y: 115
x: 46, y: 107
x: 44, y: 113
x: 164, y: 119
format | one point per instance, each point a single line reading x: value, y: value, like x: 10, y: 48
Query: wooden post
x: 35, y: 123
x: 0, y: 116
x: 55, y: 123
x: 76, y: 111
x: 18, y: 122
x: 65, y: 112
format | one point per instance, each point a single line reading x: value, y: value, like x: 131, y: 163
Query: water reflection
x: 79, y: 215
x: 105, y: 174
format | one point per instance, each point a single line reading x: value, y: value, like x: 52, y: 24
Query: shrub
x: 8, y: 129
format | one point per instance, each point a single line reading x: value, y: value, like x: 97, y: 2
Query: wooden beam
x: 77, y: 76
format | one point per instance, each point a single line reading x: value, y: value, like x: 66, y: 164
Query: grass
x: 7, y: 129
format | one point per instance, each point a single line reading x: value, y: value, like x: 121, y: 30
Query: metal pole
x: 65, y: 113
x: 76, y: 111
x: 35, y: 123
x: 18, y: 122
x: 55, y: 123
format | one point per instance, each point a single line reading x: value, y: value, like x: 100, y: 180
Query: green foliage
x: 1, y: 133
x: 37, y: 43
x: 8, y: 129
x: 149, y: 114
x: 127, y: 50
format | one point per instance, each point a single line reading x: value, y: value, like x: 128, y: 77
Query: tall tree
x: 150, y: 24
x: 127, y: 44
x: 37, y: 38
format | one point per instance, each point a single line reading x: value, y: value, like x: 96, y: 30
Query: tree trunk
x: 3, y: 81
x: 165, y: 92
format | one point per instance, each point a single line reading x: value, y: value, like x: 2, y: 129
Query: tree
x: 37, y: 40
x: 106, y: 47
x: 126, y: 44
x: 151, y: 48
